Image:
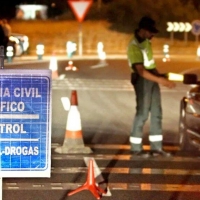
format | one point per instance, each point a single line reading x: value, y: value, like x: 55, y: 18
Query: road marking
x: 106, y: 85
x: 120, y: 146
x: 112, y: 186
x: 126, y: 158
x: 103, y: 64
x: 127, y: 147
x: 126, y: 170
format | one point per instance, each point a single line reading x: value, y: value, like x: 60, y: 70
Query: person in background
x: 145, y: 79
x: 7, y: 32
x: 2, y: 34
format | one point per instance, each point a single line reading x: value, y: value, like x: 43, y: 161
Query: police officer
x: 146, y: 79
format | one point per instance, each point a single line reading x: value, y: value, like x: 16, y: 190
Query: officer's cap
x: 149, y: 24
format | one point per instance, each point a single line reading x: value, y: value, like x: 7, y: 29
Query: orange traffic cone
x: 71, y: 66
x: 53, y: 66
x: 90, y: 184
x: 73, y: 142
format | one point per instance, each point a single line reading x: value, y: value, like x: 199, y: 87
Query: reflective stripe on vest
x: 155, y: 138
x: 135, y: 140
x: 147, y: 62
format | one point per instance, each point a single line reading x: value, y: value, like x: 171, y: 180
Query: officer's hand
x: 165, y: 82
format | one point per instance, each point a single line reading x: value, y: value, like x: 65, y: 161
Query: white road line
x: 108, y: 85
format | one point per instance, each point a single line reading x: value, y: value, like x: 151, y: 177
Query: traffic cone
x: 90, y: 184
x: 71, y: 66
x: 53, y: 66
x: 73, y: 142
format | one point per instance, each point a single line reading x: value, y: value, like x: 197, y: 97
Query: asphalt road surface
x: 106, y: 103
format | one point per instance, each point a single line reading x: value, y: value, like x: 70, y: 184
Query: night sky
x: 8, y: 7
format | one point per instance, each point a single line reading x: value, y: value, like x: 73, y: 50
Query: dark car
x: 189, y: 123
x: 19, y: 42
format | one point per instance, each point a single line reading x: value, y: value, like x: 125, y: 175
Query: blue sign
x: 25, y: 100
x: 196, y: 27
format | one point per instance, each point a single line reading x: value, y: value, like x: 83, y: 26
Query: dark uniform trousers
x: 148, y: 102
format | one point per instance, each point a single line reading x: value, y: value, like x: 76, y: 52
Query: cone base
x: 78, y: 149
x: 95, y: 190
x: 90, y: 184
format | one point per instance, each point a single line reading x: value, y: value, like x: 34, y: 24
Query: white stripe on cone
x: 74, y: 119
x: 53, y: 67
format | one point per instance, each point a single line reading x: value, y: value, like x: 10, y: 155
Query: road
x: 107, y: 105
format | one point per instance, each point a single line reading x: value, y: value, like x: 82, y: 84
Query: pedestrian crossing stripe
x: 112, y: 186
x: 125, y: 170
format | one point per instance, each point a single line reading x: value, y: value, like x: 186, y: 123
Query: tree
x: 195, y: 3
x: 125, y: 14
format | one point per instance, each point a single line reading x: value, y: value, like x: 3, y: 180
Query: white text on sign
x: 20, y: 92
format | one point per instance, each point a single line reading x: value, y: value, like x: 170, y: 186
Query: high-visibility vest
x: 140, y: 53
